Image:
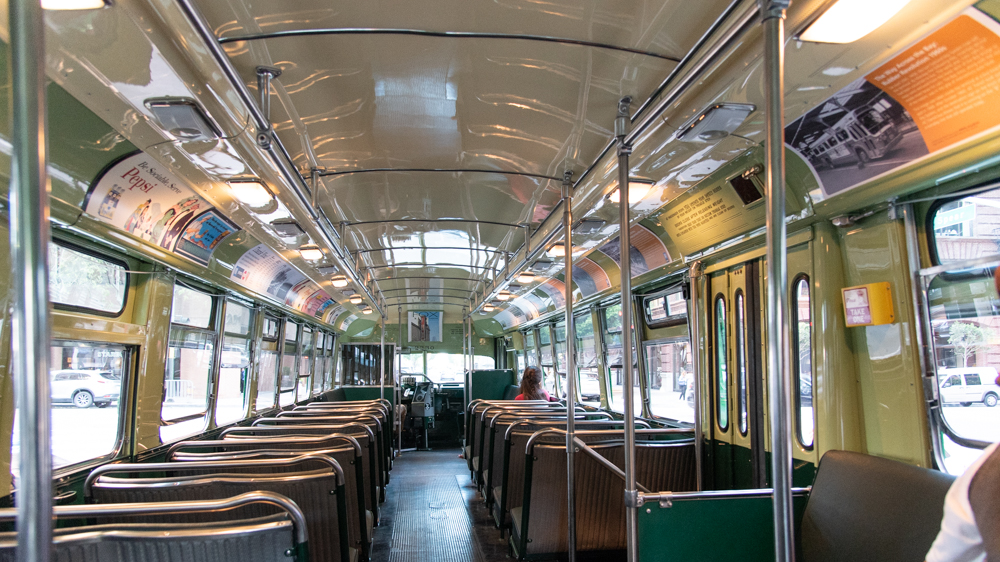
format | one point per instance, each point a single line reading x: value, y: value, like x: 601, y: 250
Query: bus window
x: 267, y: 373
x: 306, y: 357
x: 616, y: 378
x: 964, y: 316
x: 589, y: 384
x: 671, y: 382
x: 87, y: 381
x: 321, y: 361
x: 412, y: 364
x: 287, y: 379
x: 801, y: 346
x: 721, y: 364
x: 190, y: 362
x: 548, y: 365
x: 560, y: 358
x: 530, y: 355
x: 80, y: 281
x: 331, y: 361
x: 741, y: 363
x: 234, y: 373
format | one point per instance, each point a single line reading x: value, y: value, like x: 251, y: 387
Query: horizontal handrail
x: 667, y: 497
x: 155, y: 508
x: 278, y: 425
x: 298, y: 440
x: 587, y: 449
x: 514, y: 426
x: 104, y: 470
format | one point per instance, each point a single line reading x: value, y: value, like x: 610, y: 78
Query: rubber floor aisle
x: 433, y: 512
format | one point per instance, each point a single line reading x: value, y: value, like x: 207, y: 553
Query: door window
x: 802, y: 360
x: 721, y: 364
x: 741, y: 363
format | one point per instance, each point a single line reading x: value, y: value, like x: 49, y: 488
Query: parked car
x: 968, y: 385
x: 85, y: 388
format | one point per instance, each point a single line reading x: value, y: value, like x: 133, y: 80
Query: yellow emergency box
x: 868, y: 305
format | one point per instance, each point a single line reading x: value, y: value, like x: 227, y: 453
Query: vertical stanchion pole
x: 472, y: 355
x: 381, y: 361
x: 694, y: 274
x: 622, y: 124
x: 28, y: 197
x: 567, y: 194
x: 777, y: 279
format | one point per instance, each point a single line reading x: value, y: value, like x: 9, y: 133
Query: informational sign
x: 202, y: 235
x: 264, y: 271
x: 868, y: 305
x: 141, y: 197
x: 951, y: 217
x: 426, y: 326
x: 938, y: 92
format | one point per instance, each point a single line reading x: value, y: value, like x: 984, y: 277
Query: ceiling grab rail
x: 29, y: 238
x: 773, y: 21
x: 271, y: 144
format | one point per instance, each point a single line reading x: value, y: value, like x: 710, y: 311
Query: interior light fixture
x: 715, y: 123
x: 251, y: 192
x: 503, y: 296
x: 488, y: 308
x: 847, y: 21
x: 183, y: 118
x: 558, y: 250
x: 311, y: 253
x: 637, y: 191
x: 356, y: 299
x: 339, y: 281
x: 366, y: 310
x: 73, y: 4
x: 525, y: 277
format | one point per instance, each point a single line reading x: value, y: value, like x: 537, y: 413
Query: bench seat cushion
x: 869, y: 508
x: 515, y: 520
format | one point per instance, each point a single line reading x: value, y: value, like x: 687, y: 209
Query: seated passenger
x: 531, y: 386
x: 970, y: 529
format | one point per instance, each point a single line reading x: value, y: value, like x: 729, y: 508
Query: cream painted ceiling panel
x: 432, y: 102
x: 666, y: 27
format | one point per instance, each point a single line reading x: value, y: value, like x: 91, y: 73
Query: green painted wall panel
x: 490, y: 385
x: 689, y: 530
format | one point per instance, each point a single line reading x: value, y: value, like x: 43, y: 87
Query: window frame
x: 796, y: 371
x: 215, y: 330
x: 669, y: 320
x: 126, y: 404
x: 103, y: 257
x: 932, y: 245
x: 248, y: 382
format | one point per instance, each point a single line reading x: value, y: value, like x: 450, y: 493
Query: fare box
x: 868, y: 305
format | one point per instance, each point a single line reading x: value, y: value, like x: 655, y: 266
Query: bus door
x: 736, y: 377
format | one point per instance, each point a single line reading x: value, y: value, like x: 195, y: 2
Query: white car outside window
x: 969, y: 385
x: 85, y: 388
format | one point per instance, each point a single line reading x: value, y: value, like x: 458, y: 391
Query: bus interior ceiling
x: 348, y: 218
